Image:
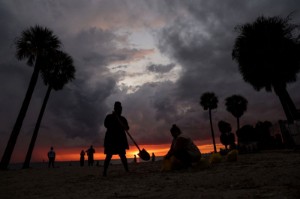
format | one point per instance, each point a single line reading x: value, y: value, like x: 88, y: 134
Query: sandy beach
x: 267, y: 174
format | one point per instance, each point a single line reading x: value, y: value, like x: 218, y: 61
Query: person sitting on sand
x: 115, y: 141
x: 51, y: 157
x: 183, y: 152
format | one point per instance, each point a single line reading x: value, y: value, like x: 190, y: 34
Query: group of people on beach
x: 90, y: 153
x: 182, y: 153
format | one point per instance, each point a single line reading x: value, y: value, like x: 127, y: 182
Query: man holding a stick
x: 115, y: 141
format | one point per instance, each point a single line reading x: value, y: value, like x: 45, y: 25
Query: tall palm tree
x: 267, y: 52
x: 33, y: 44
x: 60, y: 71
x: 237, y: 106
x: 209, y: 101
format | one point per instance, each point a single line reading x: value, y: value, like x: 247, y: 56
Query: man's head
x: 118, y: 108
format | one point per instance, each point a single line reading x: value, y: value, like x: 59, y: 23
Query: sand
x: 268, y: 174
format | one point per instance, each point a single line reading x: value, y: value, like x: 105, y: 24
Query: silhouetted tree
x: 59, y: 73
x: 209, y: 101
x: 236, y: 105
x: 263, y: 134
x: 267, y: 52
x: 34, y: 44
x: 246, y: 135
x: 227, y: 137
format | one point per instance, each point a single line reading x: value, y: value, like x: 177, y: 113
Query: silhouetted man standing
x: 82, y: 154
x: 90, y: 153
x: 153, y: 157
x: 115, y: 141
x: 51, y: 157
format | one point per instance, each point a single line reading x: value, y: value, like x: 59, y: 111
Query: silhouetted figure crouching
x: 183, y: 152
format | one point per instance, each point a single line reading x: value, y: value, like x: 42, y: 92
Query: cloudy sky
x: 157, y: 57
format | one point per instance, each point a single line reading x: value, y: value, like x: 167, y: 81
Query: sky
x: 157, y: 57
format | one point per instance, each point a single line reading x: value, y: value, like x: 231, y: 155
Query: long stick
x: 128, y: 133
x: 133, y: 140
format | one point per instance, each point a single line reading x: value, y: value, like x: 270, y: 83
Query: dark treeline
x: 267, y: 53
x: 251, y: 138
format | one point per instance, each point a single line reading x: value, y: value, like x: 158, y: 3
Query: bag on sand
x: 232, y: 156
x: 168, y: 164
x: 215, y: 158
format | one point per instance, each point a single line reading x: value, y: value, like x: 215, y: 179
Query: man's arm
x: 125, y: 124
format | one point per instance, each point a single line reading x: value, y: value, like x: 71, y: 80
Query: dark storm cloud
x: 147, y: 124
x: 77, y: 111
x: 160, y: 68
x: 81, y: 111
x: 120, y: 67
x: 82, y: 106
x: 201, y: 43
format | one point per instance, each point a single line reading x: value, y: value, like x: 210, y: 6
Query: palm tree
x: 209, y: 101
x: 267, y: 52
x: 34, y: 44
x: 59, y: 73
x: 237, y: 106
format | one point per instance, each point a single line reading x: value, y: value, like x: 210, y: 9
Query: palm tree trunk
x: 212, y: 131
x: 291, y: 104
x: 36, y: 130
x: 284, y: 98
x: 238, y: 128
x: 17, y: 127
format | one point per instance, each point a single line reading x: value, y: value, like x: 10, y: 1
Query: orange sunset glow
x: 158, y: 150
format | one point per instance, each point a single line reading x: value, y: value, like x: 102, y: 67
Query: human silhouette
x: 82, y: 154
x: 51, y: 157
x: 134, y: 159
x: 183, y: 152
x: 90, y: 153
x: 153, y: 157
x: 115, y: 141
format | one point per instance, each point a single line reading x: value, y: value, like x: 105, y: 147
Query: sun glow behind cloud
x: 134, y: 73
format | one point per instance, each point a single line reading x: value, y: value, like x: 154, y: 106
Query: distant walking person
x: 51, y: 157
x: 82, y: 154
x: 90, y: 153
x: 115, y: 141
